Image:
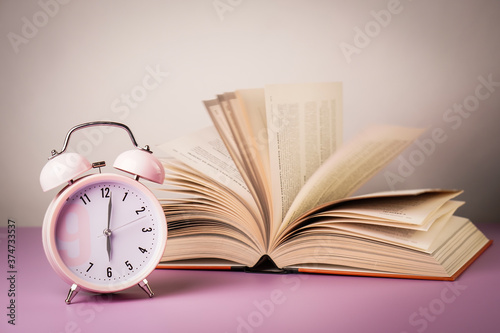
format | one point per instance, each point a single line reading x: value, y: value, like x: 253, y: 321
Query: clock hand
x: 107, y: 232
x: 124, y: 225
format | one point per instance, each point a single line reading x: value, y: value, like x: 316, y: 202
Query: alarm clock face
x: 105, y: 232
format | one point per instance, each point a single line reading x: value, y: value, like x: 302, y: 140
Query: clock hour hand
x: 107, y: 231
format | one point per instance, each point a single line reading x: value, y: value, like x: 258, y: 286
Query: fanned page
x: 229, y: 114
x: 304, y: 124
x: 253, y: 104
x: 448, y: 250
x: 350, y: 167
x: 205, y: 152
x: 410, y: 238
x: 216, y: 112
x: 401, y: 211
x: 396, y: 209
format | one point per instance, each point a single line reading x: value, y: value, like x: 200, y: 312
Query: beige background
x: 67, y: 62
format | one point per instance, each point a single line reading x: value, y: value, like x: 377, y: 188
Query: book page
x: 231, y: 119
x: 216, y: 112
x: 205, y: 152
x: 254, y: 105
x: 304, y: 128
x: 418, y: 239
x: 412, y: 209
x: 340, y: 217
x: 352, y: 165
x: 196, y: 201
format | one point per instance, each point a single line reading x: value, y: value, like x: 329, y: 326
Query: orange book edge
x: 195, y: 267
x: 340, y: 272
x: 402, y: 276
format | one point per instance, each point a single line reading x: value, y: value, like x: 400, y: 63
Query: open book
x: 267, y: 189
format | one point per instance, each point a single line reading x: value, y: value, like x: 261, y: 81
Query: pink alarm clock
x: 103, y: 232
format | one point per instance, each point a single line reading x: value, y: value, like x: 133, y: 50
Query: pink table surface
x: 216, y: 301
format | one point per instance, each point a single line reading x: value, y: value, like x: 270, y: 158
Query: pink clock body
x: 104, y: 232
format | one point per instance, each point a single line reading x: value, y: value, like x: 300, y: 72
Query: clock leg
x: 145, y: 286
x: 72, y: 293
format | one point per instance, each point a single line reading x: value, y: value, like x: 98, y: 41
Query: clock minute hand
x: 107, y: 232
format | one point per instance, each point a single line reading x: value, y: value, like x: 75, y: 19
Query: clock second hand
x: 124, y: 225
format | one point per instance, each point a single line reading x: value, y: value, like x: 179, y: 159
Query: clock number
x: 85, y: 198
x: 91, y: 264
x: 129, y: 265
x: 109, y: 273
x: 147, y: 230
x: 142, y: 250
x: 126, y: 193
x: 105, y: 192
x: 140, y: 210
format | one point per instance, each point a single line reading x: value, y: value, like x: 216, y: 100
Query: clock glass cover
x: 108, y: 232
